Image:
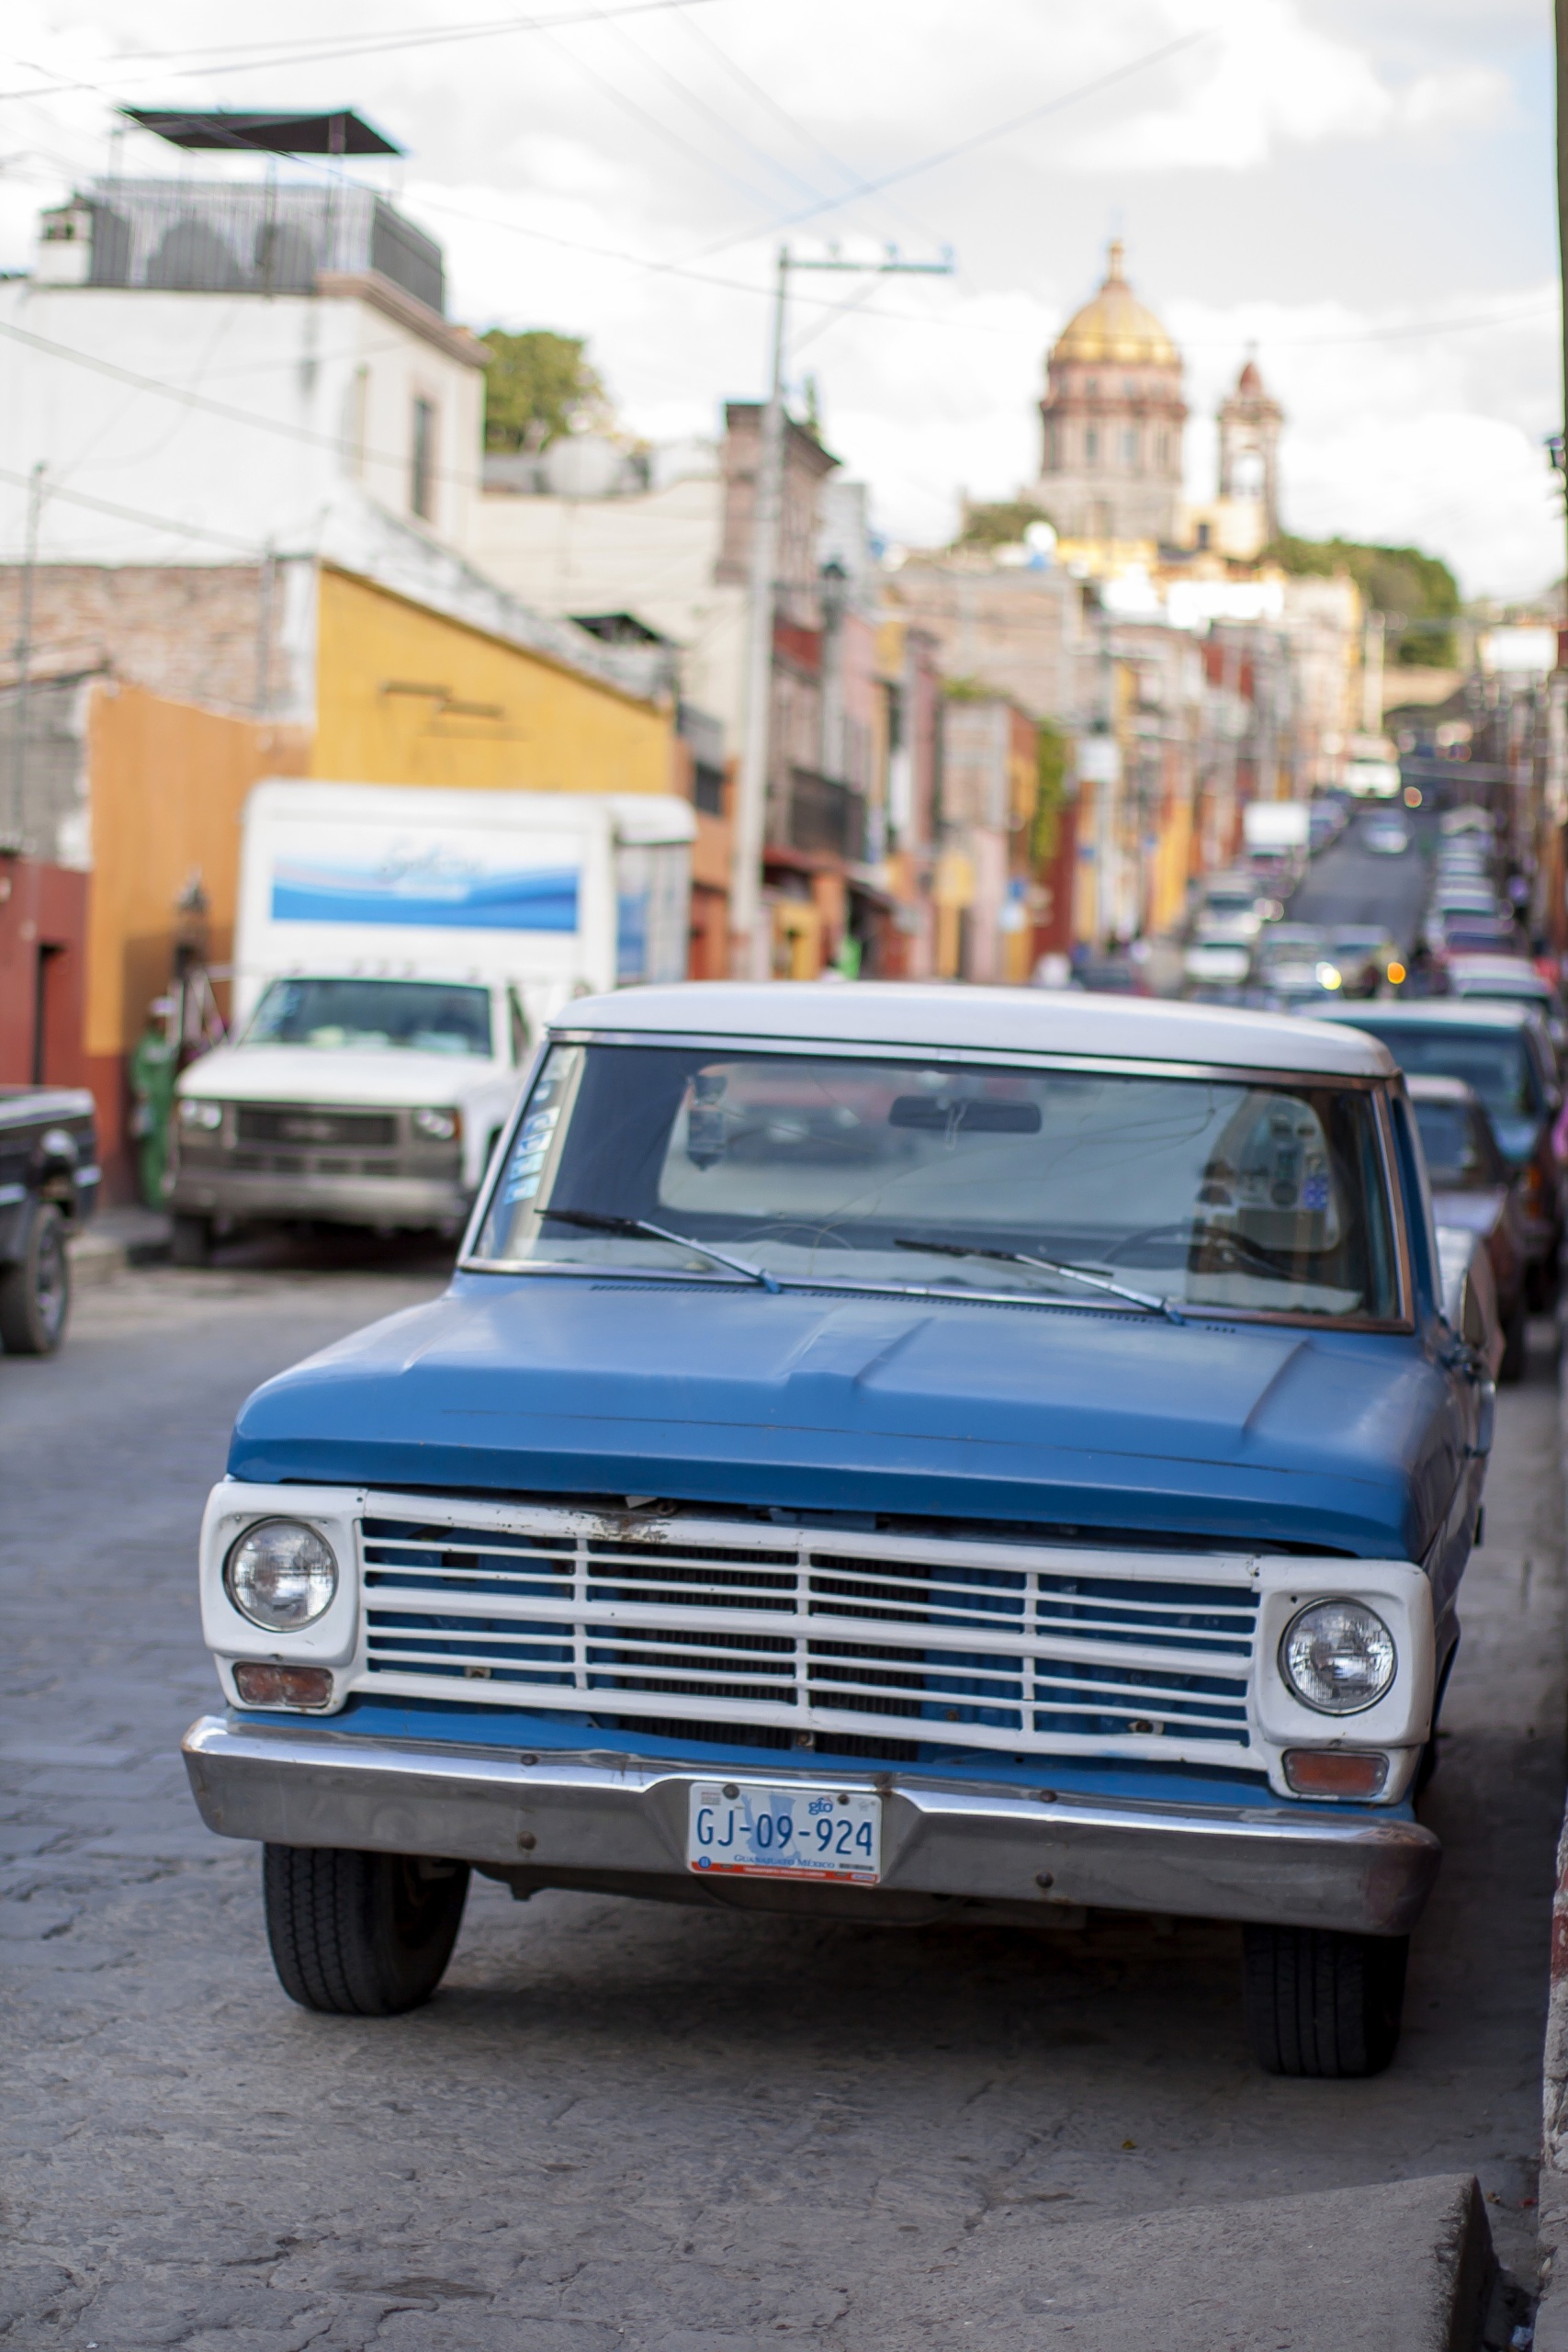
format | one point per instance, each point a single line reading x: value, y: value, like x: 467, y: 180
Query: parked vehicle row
x: 49, y: 1188
x: 1502, y: 1052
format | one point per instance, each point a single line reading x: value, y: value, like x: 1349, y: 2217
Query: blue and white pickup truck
x: 899, y: 1453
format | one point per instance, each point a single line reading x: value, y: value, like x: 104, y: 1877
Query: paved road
x: 628, y: 2128
x: 1349, y: 884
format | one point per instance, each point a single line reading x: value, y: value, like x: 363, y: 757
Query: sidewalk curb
x: 1403, y: 2266
x: 114, y: 1242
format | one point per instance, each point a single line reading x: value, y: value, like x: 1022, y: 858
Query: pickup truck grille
x: 809, y: 1637
x: 304, y: 1125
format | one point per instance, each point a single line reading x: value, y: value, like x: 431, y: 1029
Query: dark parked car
x: 48, y: 1175
x: 1503, y: 1051
x: 1473, y: 1187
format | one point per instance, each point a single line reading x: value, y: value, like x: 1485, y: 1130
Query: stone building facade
x: 1112, y: 418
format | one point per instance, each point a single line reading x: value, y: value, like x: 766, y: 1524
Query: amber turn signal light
x: 1396, y: 973
x: 1334, y: 1772
x: 283, y: 1686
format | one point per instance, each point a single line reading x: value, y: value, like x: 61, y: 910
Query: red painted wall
x: 43, y: 939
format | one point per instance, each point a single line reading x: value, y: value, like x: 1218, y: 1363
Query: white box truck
x: 396, y: 953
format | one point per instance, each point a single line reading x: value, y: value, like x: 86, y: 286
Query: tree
x: 1417, y: 591
x: 540, y: 386
x: 1050, y: 792
x: 1000, y: 524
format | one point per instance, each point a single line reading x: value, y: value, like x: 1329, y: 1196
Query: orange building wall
x: 167, y: 783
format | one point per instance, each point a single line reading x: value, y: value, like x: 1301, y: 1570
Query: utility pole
x: 1562, y: 20
x: 25, y: 655
x: 1371, y: 674
x: 747, y: 961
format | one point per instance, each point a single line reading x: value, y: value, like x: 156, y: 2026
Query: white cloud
x: 1265, y: 76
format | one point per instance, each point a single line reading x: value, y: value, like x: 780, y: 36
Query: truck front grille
x: 305, y: 1126
x: 823, y: 1639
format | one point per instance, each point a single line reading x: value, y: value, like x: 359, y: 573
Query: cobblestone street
x: 627, y: 2125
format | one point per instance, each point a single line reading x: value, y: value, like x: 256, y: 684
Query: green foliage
x: 1051, y: 791
x: 539, y: 387
x: 1001, y: 523
x: 1417, y: 589
x: 968, y: 690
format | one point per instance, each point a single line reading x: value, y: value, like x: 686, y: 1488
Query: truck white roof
x: 1031, y: 1020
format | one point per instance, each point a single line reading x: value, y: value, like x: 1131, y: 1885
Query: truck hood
x: 541, y: 1384
x: 322, y: 1074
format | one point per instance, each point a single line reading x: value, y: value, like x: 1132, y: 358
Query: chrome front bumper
x: 338, y: 1200
x: 591, y: 1814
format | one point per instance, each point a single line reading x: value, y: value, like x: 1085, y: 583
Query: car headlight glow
x: 1337, y: 1657
x: 1329, y: 975
x: 281, y: 1574
x: 193, y: 1113
x: 438, y: 1126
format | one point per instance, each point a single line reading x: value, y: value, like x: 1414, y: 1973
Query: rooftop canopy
x: 340, y: 134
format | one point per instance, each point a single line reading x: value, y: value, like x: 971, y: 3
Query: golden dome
x: 1115, y: 327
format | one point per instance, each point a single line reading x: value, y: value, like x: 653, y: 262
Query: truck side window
x: 519, y: 1026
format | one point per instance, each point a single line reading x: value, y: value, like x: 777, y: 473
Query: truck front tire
x: 34, y: 1289
x: 1322, y: 2002
x: 360, y: 1935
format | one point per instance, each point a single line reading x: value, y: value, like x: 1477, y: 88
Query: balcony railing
x: 824, y: 818
x: 240, y: 237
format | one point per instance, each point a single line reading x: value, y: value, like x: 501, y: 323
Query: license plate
x: 748, y: 1828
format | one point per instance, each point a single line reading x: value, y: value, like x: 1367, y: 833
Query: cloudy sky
x: 1362, y: 188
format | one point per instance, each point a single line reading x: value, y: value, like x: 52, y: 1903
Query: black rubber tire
x: 34, y: 1289
x: 360, y: 1935
x: 1516, y: 1338
x: 1322, y: 2002
x: 190, y: 1240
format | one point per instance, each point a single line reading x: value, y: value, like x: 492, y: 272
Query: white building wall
x: 651, y: 552
x: 197, y: 427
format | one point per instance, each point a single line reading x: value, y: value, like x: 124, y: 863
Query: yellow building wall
x: 166, y: 785
x: 404, y: 695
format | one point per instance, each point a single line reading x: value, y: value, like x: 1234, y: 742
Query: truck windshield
x: 1238, y: 1193
x: 409, y: 1016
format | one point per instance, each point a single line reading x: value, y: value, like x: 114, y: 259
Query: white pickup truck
x: 397, y: 951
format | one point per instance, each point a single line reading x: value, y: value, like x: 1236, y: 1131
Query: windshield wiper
x: 594, y: 1221
x: 1150, y: 1301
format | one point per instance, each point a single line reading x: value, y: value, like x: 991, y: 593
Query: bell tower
x: 1249, y: 449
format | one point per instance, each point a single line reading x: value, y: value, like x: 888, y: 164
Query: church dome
x: 1115, y: 328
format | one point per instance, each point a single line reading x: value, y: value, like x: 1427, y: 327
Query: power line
x: 268, y: 55
x: 977, y: 139
x: 698, y: 33
x: 335, y: 442
x: 654, y: 123
x: 134, y: 514
x: 700, y: 105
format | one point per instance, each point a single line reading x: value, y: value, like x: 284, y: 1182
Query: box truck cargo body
x: 396, y: 952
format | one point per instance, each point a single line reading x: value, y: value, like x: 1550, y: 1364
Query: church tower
x: 1113, y: 412
x: 1249, y: 450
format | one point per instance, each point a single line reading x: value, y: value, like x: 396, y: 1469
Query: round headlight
x: 1337, y: 1657
x: 281, y: 1574
x: 437, y: 1126
x: 194, y: 1113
